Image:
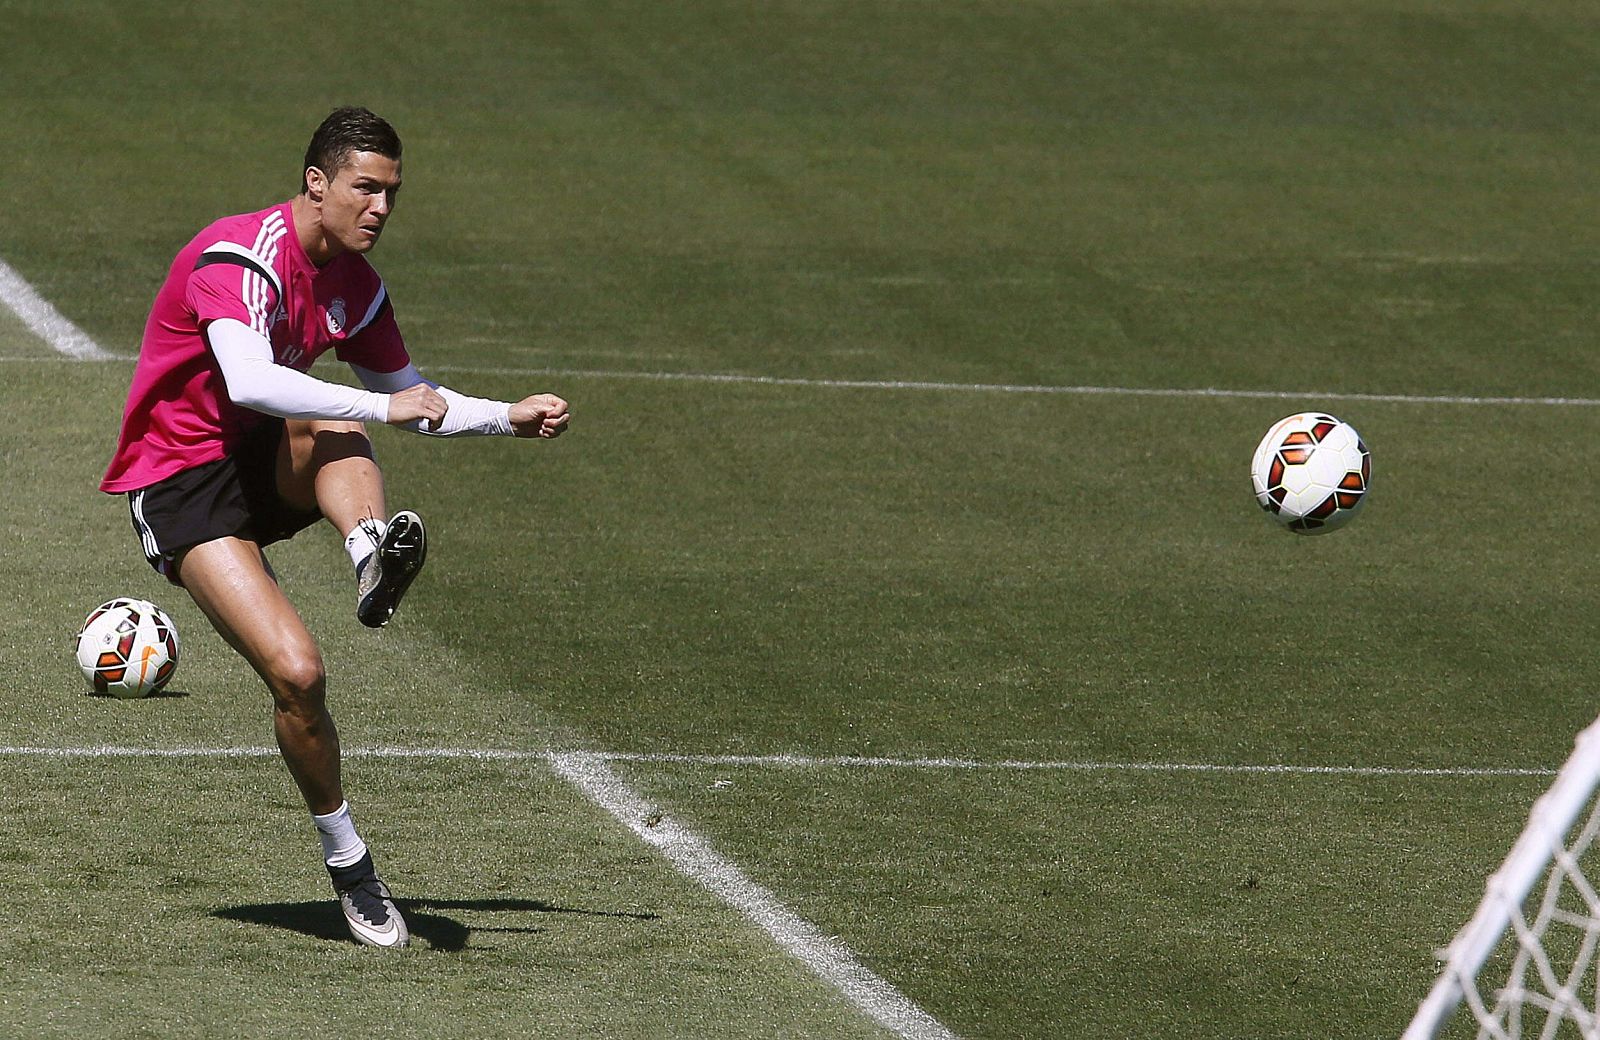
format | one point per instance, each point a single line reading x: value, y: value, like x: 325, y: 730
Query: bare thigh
x: 329, y: 465
x: 230, y: 581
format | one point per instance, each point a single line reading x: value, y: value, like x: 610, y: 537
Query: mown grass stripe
x: 686, y: 850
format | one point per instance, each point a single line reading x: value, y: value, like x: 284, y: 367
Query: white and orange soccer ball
x: 128, y: 648
x: 1311, y: 472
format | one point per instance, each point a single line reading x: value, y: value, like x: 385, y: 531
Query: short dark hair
x: 346, y: 131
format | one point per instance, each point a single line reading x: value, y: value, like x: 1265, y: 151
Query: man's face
x: 357, y: 202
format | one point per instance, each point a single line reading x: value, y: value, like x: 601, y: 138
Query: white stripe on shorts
x: 147, y: 537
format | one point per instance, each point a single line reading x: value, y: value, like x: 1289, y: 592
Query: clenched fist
x: 542, y: 415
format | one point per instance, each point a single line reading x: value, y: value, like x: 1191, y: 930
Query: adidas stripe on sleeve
x: 232, y: 280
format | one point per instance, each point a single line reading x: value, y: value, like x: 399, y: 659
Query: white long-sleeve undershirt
x: 254, y: 380
x: 467, y: 416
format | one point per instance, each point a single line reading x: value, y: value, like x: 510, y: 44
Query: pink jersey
x: 250, y: 268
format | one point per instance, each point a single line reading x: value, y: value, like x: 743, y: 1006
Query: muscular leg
x: 321, y: 465
x: 229, y: 581
x: 329, y: 466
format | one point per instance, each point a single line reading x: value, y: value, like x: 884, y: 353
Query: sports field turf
x: 904, y: 228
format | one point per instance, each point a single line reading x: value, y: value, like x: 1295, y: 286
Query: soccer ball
x: 128, y: 648
x: 1311, y: 472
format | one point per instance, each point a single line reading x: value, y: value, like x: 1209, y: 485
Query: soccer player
x: 227, y: 445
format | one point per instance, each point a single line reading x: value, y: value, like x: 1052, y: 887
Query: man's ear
x: 316, y: 183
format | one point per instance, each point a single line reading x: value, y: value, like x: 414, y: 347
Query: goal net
x: 1524, y: 966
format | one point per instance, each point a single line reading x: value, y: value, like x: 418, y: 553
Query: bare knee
x: 321, y: 426
x: 298, y: 681
x: 314, y: 448
x: 308, y: 430
x: 336, y: 441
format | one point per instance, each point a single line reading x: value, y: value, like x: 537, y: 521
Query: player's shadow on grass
x: 321, y: 919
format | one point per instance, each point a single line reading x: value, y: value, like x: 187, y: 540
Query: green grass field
x: 1313, y: 197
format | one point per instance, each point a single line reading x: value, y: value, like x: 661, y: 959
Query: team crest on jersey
x: 336, y: 315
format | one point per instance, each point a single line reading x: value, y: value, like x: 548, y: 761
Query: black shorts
x: 234, y: 495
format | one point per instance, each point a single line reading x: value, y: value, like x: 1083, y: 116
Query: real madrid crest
x: 336, y: 315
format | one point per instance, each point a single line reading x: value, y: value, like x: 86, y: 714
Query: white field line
x: 873, y: 762
x: 96, y: 353
x: 1013, y: 388
x: 694, y: 857
x: 72, y: 342
x: 44, y: 320
x: 58, y: 358
x: 794, y: 761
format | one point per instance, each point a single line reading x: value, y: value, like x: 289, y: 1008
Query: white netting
x: 1525, y: 966
x: 1550, y: 986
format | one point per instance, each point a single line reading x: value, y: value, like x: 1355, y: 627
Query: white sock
x: 341, y: 845
x: 363, y: 540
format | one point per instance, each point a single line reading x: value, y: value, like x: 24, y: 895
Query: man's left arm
x: 540, y: 415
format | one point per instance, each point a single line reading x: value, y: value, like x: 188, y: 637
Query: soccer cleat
x: 369, y: 910
x: 388, y: 572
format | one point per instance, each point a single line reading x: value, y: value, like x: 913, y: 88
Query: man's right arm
x: 255, y: 380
